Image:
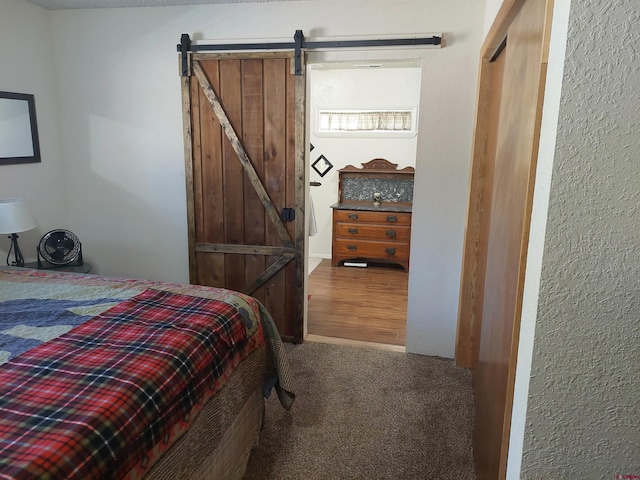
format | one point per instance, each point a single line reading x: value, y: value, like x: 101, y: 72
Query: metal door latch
x: 288, y: 214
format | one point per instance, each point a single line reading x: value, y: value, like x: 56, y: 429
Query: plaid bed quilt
x: 92, y: 402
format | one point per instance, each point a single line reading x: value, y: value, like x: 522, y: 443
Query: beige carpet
x: 368, y: 414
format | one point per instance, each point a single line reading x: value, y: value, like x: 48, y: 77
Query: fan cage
x: 59, y: 247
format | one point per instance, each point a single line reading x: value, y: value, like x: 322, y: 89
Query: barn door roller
x: 299, y: 44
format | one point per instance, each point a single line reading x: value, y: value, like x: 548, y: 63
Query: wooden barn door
x: 244, y: 152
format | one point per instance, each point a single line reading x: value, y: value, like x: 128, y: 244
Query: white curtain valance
x: 366, y: 121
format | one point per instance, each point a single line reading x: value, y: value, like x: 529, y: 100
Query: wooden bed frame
x: 218, y: 446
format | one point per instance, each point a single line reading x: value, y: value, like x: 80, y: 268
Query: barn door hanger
x: 299, y: 44
x: 184, y: 47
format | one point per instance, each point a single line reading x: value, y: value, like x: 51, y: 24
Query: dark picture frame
x: 19, y: 142
x: 322, y: 165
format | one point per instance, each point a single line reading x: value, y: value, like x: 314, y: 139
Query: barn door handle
x: 390, y: 251
x: 392, y: 218
x: 353, y: 248
x: 353, y: 231
x: 353, y: 216
x: 391, y: 233
x: 288, y: 214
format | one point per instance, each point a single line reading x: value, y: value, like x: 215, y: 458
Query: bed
x: 121, y: 378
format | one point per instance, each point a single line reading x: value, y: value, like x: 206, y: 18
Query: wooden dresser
x: 365, y: 229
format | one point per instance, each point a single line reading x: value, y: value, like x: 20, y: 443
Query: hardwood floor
x: 362, y: 304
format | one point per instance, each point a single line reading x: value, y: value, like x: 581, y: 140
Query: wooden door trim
x: 468, y: 316
x: 187, y: 127
x: 299, y: 148
x: 524, y: 246
x: 467, y: 298
x: 244, y: 249
x: 469, y: 301
x: 239, y: 55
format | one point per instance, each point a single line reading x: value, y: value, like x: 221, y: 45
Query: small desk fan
x: 59, y: 247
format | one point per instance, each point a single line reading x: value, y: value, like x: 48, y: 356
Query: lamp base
x: 19, y: 259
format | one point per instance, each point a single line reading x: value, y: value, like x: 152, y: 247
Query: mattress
x: 124, y: 378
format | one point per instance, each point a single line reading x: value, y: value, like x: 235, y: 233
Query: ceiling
x: 67, y: 4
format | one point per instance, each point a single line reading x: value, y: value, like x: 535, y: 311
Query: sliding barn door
x: 244, y: 144
x: 503, y: 176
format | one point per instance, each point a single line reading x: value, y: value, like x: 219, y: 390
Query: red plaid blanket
x: 93, y: 402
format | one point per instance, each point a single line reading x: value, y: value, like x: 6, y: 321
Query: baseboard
x: 354, y: 343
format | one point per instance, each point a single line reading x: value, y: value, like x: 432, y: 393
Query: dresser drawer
x: 391, y: 218
x: 347, y: 248
x: 389, y: 233
x: 371, y: 235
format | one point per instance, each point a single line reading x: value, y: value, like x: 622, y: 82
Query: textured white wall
x: 584, y: 402
x: 26, y: 66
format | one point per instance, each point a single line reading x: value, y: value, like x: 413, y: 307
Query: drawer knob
x: 391, y: 233
x: 353, y: 248
x: 392, y: 218
x: 353, y: 231
x: 390, y: 251
x: 353, y: 216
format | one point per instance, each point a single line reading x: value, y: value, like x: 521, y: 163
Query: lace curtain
x: 370, y: 121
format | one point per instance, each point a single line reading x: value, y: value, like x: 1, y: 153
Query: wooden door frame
x: 472, y: 277
x: 292, y: 248
x: 263, y: 50
x: 187, y: 52
x: 468, y: 316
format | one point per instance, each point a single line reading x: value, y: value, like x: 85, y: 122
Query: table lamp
x: 14, y: 218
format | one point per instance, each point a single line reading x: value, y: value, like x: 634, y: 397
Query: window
x: 330, y: 122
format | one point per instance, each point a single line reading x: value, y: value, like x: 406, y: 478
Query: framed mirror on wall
x: 18, y: 129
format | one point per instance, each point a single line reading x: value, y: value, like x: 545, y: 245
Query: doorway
x: 354, y: 303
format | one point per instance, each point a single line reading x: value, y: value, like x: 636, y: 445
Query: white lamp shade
x: 14, y: 216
